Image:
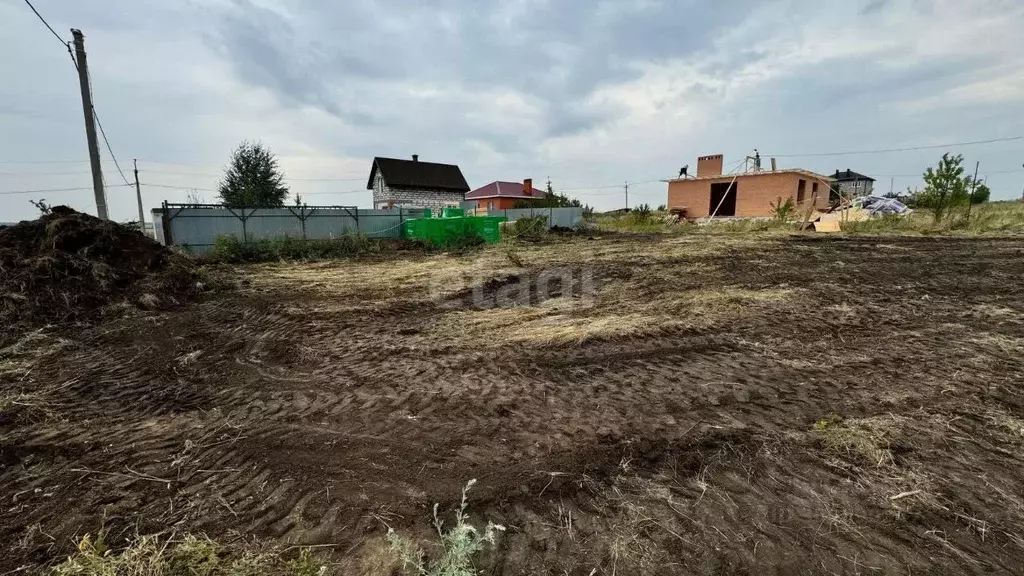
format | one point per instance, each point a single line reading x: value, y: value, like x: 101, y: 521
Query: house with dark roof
x: 415, y: 184
x: 500, y: 195
x: 852, y: 184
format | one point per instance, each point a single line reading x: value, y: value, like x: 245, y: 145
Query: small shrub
x: 531, y: 228
x: 641, y: 212
x: 458, y: 545
x: 661, y: 208
x: 41, y: 205
x: 783, y: 211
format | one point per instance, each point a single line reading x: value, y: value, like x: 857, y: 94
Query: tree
x: 253, y: 178
x: 944, y: 186
x: 981, y: 193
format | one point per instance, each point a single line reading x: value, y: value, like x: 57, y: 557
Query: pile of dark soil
x: 66, y: 266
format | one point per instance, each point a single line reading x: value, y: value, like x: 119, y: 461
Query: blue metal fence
x: 197, y: 226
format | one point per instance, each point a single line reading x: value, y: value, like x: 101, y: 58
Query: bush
x: 231, y: 249
x: 531, y: 228
x: 641, y: 212
x: 783, y: 211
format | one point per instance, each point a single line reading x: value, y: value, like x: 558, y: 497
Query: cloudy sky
x: 589, y: 93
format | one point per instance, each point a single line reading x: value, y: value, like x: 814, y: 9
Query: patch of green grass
x: 187, y: 556
x: 458, y: 545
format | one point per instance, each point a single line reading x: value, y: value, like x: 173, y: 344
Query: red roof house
x: 503, y: 195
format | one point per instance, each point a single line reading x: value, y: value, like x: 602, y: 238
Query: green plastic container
x: 452, y: 213
x: 441, y: 231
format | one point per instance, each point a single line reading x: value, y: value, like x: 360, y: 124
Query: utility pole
x: 626, y: 184
x: 974, y: 185
x: 138, y: 196
x: 891, y: 182
x: 90, y: 124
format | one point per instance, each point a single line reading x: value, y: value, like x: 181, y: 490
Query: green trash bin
x: 452, y: 213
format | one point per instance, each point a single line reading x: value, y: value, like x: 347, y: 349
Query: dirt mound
x: 67, y: 265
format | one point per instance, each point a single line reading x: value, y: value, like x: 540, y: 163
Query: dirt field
x: 687, y: 405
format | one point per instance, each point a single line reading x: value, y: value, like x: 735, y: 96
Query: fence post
x: 400, y: 221
x: 166, y: 218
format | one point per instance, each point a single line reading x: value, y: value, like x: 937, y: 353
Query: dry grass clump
x: 186, y: 556
x: 864, y: 439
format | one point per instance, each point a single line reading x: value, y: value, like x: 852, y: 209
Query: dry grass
x: 612, y: 310
x: 21, y: 400
x: 861, y: 439
x: 185, y: 556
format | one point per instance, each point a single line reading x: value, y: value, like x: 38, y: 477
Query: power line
x: 48, y: 190
x: 103, y: 132
x: 41, y: 174
x: 47, y: 24
x: 907, y: 149
x: 181, y: 187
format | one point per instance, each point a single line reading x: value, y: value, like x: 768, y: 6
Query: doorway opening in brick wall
x: 723, y: 193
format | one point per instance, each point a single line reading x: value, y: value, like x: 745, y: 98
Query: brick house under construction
x: 749, y: 194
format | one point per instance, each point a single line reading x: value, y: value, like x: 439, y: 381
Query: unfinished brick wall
x: 709, y: 165
x: 754, y: 193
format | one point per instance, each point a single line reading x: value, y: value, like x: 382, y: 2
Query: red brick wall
x: 709, y: 165
x: 498, y: 203
x: 754, y: 193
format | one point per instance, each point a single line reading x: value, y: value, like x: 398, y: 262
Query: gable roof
x: 500, y: 189
x: 420, y: 175
x: 849, y: 176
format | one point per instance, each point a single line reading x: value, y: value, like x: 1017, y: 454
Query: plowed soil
x: 708, y: 405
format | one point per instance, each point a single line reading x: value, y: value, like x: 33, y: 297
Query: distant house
x: 415, y: 184
x: 748, y: 194
x: 852, y: 184
x: 500, y: 195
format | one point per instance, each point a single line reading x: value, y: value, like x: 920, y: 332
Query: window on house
x: 814, y: 192
x: 801, y: 190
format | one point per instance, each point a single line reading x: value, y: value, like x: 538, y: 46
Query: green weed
x: 231, y: 249
x: 458, y: 545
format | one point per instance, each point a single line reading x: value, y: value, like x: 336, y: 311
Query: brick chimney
x: 415, y: 157
x: 709, y: 165
x: 528, y: 186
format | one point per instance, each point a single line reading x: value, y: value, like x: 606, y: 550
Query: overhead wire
x: 905, y: 149
x: 47, y: 24
x: 48, y: 190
